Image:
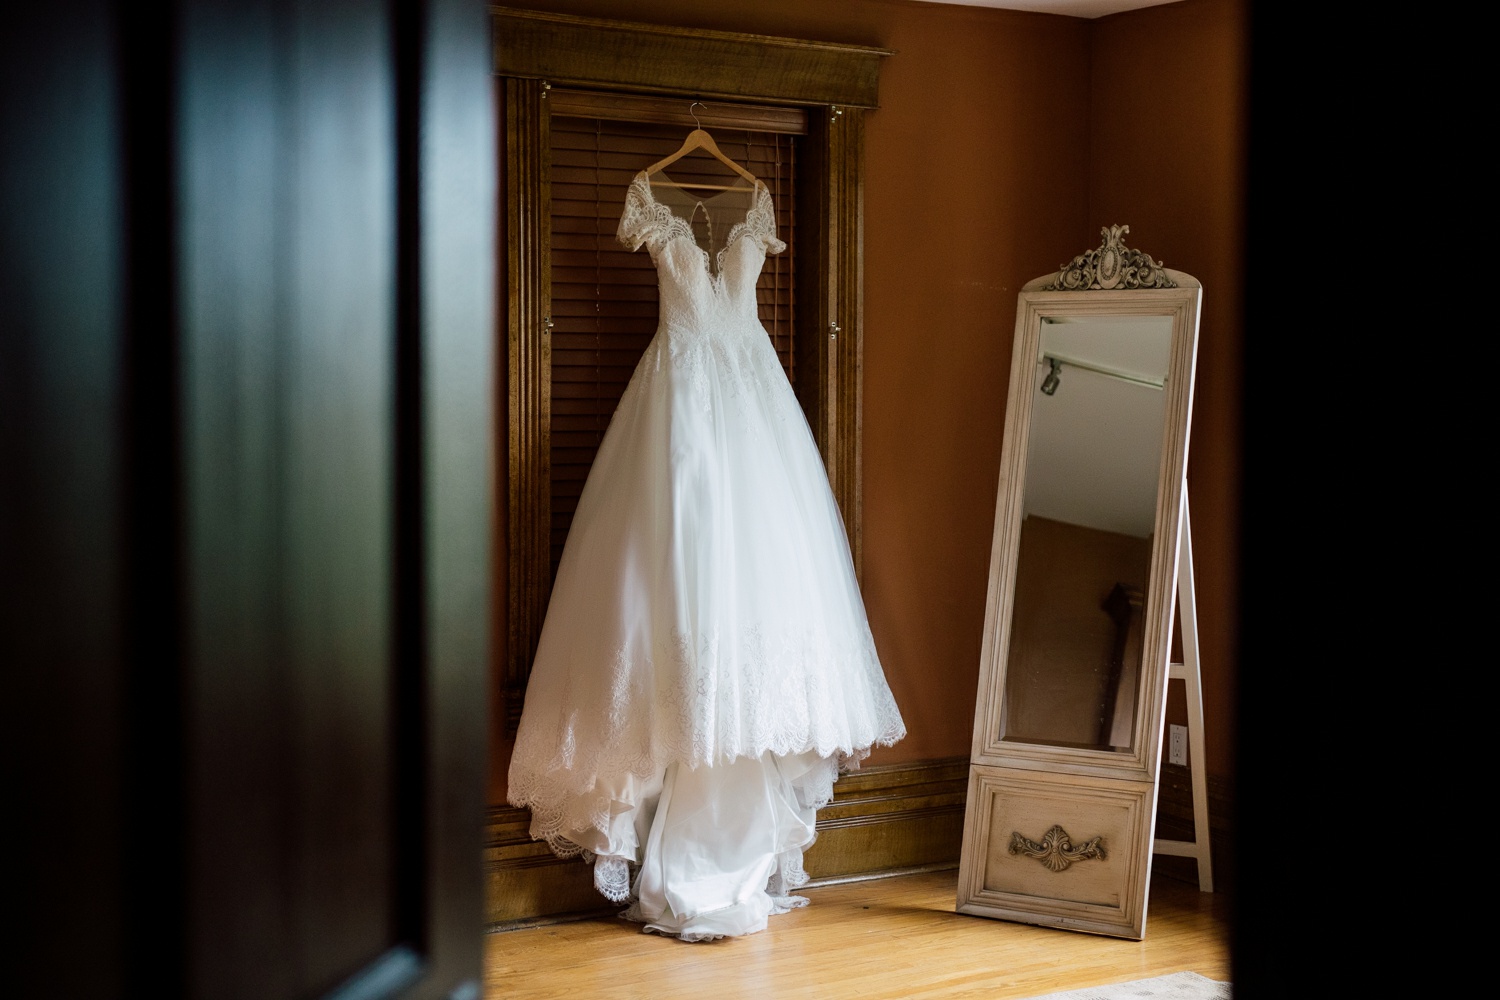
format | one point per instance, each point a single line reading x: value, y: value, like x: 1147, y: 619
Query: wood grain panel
x: 896, y: 818
x: 831, y: 304
x: 652, y: 58
x: 1100, y: 895
x: 846, y: 191
x: 528, y: 193
x: 674, y: 111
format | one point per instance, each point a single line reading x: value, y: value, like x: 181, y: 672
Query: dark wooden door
x: 247, y: 391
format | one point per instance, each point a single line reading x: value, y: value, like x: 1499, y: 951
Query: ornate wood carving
x: 653, y: 58
x: 847, y: 193
x: 1056, y: 851
x: 1110, y: 265
x: 529, y: 350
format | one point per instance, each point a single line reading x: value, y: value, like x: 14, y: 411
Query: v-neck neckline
x: 712, y: 261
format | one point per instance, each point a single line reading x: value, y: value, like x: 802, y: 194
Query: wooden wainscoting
x: 890, y: 820
x: 886, y: 820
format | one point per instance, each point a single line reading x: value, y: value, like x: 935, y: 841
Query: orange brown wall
x: 979, y: 177
x: 1167, y: 157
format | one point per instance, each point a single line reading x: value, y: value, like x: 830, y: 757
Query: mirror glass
x: 1083, y: 565
x: 1090, y: 534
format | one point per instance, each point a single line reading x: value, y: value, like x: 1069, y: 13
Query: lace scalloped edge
x: 611, y: 878
x: 647, y: 221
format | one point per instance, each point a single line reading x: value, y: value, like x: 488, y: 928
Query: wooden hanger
x: 699, y: 139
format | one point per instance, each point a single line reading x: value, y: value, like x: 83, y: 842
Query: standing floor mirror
x: 1089, y: 522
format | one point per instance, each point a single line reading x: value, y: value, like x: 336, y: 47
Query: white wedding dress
x: 706, y: 668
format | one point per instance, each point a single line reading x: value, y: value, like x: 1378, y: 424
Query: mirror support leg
x: 1188, y: 672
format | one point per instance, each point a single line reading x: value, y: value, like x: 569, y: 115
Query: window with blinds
x: 604, y: 297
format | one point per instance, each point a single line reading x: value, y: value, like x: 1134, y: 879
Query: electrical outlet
x: 1177, y: 747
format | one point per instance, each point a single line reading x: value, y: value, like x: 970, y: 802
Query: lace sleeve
x: 638, y: 223
x: 761, y: 219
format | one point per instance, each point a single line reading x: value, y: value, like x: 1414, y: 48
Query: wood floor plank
x: 884, y: 939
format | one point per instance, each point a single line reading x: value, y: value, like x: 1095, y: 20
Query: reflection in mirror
x: 1084, y: 561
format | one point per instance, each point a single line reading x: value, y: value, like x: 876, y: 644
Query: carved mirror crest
x: 1082, y: 593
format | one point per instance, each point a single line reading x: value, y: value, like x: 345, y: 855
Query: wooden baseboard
x: 887, y: 820
x: 525, y: 883
x: 891, y: 820
x: 895, y: 819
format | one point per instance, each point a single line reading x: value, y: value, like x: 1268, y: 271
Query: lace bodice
x: 700, y: 290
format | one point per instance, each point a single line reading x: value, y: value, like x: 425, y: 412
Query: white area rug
x: 1177, y: 986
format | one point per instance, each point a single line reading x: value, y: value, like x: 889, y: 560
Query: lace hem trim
x: 554, y: 814
x: 789, y: 875
x: 612, y: 879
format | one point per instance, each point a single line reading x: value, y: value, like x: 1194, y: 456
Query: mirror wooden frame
x: 1062, y: 836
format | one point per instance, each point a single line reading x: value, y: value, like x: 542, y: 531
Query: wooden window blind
x: 604, y: 297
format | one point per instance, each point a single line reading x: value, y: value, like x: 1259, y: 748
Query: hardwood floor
x: 885, y: 939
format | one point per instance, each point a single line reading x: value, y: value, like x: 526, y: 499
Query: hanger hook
x: 695, y: 104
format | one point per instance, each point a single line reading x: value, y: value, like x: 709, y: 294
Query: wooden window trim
x: 534, y: 51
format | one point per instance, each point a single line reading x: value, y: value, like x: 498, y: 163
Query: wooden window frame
x: 533, y: 51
